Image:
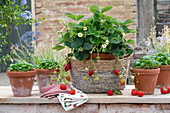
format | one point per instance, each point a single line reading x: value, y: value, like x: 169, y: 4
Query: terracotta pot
x: 42, y: 79
x: 21, y: 82
x: 147, y: 79
x: 164, y: 76
x: 103, y: 56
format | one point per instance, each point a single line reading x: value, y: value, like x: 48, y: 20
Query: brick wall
x: 53, y: 10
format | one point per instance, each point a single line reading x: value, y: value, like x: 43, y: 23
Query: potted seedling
x: 164, y: 76
x: 21, y: 76
x: 146, y: 72
x: 47, y: 72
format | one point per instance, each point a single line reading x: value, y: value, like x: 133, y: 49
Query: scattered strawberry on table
x: 109, y: 92
x: 63, y: 87
x: 140, y: 93
x: 134, y: 92
x: 164, y: 90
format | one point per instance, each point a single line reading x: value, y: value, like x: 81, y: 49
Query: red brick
x: 64, y: 3
x: 76, y: 9
x: 48, y: 4
x: 38, y: 5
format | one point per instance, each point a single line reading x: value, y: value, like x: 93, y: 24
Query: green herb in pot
x: 20, y: 66
x: 47, y: 64
x: 147, y: 62
x: 163, y: 58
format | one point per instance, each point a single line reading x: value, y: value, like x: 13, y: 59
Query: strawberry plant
x: 100, y: 34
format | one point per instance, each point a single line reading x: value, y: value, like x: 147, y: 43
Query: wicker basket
x: 105, y: 70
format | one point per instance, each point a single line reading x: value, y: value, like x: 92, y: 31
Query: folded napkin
x: 52, y: 90
x: 70, y: 102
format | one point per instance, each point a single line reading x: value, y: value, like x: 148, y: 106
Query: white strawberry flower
x: 132, y: 77
x: 80, y: 34
x: 104, y: 45
x: 107, y: 42
x: 84, y: 28
x: 86, y: 69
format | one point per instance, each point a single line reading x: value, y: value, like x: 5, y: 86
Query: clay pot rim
x: 165, y: 67
x: 46, y: 69
x: 21, y: 74
x: 125, y: 56
x: 146, y: 71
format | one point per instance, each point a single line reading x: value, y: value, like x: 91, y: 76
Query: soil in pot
x: 164, y: 76
x: 145, y: 79
x: 21, y: 82
x: 104, y: 56
x: 44, y: 77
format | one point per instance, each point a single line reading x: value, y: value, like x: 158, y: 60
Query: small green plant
x: 20, y: 66
x: 147, y: 62
x: 47, y: 64
x: 163, y: 58
x: 153, y: 44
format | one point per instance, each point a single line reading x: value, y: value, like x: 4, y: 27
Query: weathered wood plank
x: 146, y: 9
x: 6, y: 97
x: 165, y: 2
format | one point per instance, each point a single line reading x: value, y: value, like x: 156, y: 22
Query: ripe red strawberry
x: 168, y: 89
x: 117, y: 72
x: 72, y: 92
x: 164, y: 90
x: 122, y: 82
x: 68, y: 78
x: 90, y: 72
x: 58, y: 70
x: 63, y: 87
x: 140, y: 93
x: 109, y: 92
x: 67, y: 66
x: 74, y: 105
x: 134, y: 92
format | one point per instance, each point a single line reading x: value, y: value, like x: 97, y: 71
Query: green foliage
x: 20, y: 66
x: 10, y: 12
x: 162, y: 58
x: 47, y: 64
x: 147, y: 62
x: 100, y: 33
